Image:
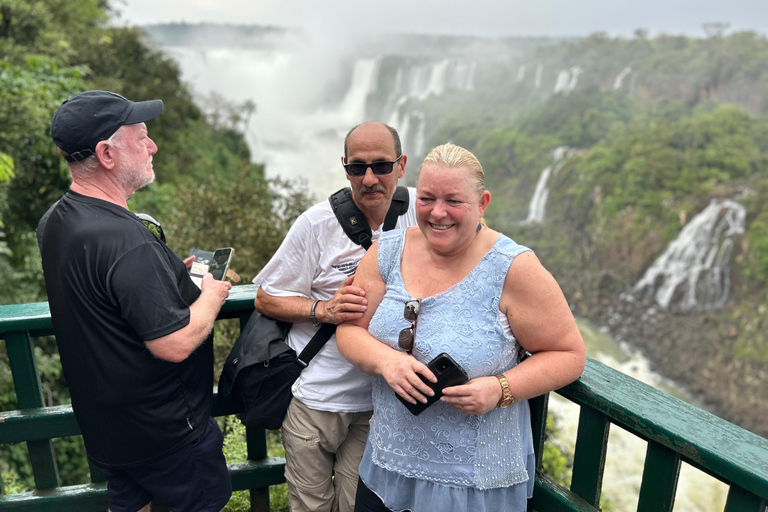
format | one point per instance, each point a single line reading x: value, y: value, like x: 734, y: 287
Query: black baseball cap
x: 87, y: 118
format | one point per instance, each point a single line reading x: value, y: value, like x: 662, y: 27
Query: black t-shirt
x: 112, y: 285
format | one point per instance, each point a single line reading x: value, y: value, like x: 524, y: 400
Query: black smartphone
x: 448, y: 373
x: 220, y: 262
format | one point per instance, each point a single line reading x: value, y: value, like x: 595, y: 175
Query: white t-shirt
x: 312, y: 262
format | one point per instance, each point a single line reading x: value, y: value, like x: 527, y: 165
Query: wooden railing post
x: 589, y: 455
x: 538, y: 407
x: 660, y: 474
x: 26, y: 380
x: 256, y: 439
x: 741, y: 500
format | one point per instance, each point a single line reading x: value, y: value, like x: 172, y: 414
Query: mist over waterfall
x: 693, y: 273
x: 310, y: 92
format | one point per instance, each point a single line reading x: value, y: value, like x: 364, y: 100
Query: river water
x: 696, y: 491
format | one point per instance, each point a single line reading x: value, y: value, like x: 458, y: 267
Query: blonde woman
x: 453, y: 285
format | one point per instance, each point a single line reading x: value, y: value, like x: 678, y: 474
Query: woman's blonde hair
x: 453, y: 156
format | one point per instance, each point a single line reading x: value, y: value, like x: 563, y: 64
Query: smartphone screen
x: 220, y: 262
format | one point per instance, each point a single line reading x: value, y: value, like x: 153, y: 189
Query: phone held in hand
x: 216, y: 263
x: 220, y: 262
x: 448, y: 373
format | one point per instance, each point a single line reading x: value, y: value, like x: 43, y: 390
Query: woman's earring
x: 479, y: 227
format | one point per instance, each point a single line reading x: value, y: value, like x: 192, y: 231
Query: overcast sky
x: 467, y: 17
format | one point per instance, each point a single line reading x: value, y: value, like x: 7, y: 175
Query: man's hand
x: 212, y: 286
x: 348, y: 303
x: 188, y: 261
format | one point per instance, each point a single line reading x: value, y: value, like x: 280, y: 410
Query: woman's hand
x: 477, y: 396
x: 401, y: 370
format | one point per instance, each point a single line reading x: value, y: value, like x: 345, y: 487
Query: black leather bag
x: 261, y: 368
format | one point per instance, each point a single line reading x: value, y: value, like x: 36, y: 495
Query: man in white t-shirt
x: 309, y: 282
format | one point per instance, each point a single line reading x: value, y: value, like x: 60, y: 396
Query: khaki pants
x: 322, y: 453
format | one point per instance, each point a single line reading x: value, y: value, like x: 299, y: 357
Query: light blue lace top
x: 462, y: 462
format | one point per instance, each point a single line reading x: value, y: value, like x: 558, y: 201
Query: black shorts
x: 194, y: 478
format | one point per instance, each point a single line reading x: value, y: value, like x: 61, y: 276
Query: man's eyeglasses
x: 411, y: 313
x: 378, y: 168
x: 152, y: 225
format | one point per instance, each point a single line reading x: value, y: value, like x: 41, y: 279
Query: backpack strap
x: 350, y: 217
x: 317, y: 342
x: 353, y: 221
x: 358, y: 230
x: 398, y: 207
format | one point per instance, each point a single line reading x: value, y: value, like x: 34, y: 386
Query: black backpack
x: 261, y: 368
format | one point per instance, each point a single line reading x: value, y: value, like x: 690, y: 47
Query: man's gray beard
x: 135, y: 176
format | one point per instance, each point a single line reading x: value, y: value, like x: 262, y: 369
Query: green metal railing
x: 676, y: 432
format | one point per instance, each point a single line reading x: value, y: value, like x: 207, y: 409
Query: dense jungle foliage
x: 208, y: 193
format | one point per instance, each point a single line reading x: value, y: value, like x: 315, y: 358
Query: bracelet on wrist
x: 506, y: 394
x: 312, y: 314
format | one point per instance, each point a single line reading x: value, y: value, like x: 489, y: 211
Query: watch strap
x: 506, y: 394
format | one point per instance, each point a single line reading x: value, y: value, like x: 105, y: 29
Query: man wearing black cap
x: 133, y: 330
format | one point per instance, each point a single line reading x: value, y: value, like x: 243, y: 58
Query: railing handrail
x: 720, y: 448
x: 713, y: 445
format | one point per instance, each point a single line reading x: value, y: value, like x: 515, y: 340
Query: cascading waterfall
x: 294, y: 132
x: 567, y: 80
x: 537, y: 80
x: 364, y: 78
x: 694, y: 271
x: 413, y: 84
x: 575, y: 72
x: 620, y: 78
x: 420, y: 139
x: 538, y: 204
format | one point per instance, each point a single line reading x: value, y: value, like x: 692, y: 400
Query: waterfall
x: 419, y: 140
x: 567, y: 80
x: 296, y: 131
x: 537, y: 206
x: 561, y: 85
x: 575, y: 72
x: 620, y: 78
x: 413, y: 84
x: 537, y: 80
x: 437, y: 80
x: 520, y: 73
x: 694, y: 270
x: 364, y: 78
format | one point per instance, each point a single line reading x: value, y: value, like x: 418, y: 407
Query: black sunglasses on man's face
x: 358, y: 169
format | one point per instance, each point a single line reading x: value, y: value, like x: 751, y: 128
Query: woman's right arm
x: 369, y: 354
